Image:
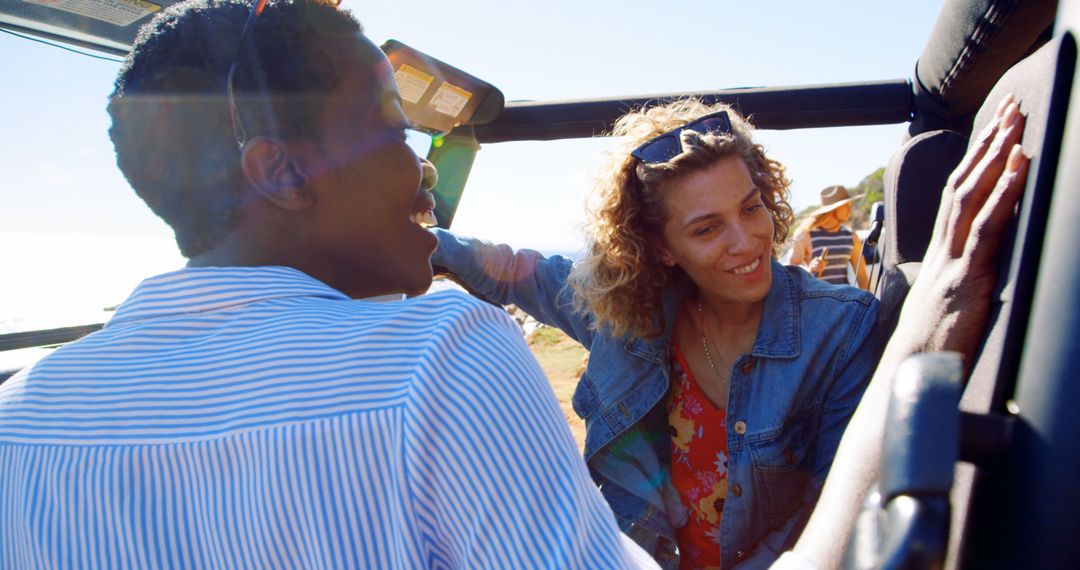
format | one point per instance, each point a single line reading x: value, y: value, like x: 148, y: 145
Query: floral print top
x: 698, y: 465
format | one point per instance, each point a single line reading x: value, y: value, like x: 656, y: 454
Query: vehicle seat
x: 984, y: 476
x: 913, y: 181
x: 1041, y: 82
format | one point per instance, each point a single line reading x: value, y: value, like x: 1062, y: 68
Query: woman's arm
x: 801, y: 251
x: 525, y: 278
x: 859, y: 261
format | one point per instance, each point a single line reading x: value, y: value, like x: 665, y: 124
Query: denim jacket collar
x: 779, y: 339
x: 778, y: 335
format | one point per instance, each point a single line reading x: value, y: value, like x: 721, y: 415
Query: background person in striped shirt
x: 247, y: 411
x: 829, y: 249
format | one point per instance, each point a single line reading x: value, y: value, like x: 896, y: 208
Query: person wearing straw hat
x: 826, y: 246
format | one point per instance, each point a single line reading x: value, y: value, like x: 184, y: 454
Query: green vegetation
x: 872, y: 189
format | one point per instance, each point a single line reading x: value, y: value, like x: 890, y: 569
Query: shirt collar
x: 778, y: 333
x: 202, y: 289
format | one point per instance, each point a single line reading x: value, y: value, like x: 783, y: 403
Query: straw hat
x: 832, y: 198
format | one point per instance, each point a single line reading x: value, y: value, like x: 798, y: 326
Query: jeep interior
x: 979, y: 470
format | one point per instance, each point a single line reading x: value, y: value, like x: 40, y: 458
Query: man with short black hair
x: 247, y: 411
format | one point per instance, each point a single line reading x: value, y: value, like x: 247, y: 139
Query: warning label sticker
x: 450, y: 99
x: 412, y: 83
x: 118, y: 12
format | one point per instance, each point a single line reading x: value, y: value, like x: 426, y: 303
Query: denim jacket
x: 788, y: 403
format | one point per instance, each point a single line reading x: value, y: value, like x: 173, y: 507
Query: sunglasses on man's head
x: 234, y: 113
x: 257, y: 8
x: 667, y: 146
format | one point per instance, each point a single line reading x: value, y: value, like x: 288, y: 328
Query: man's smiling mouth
x: 424, y: 218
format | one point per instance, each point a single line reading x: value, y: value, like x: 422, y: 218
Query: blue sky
x: 59, y: 174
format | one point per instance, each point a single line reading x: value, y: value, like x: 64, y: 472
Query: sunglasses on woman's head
x: 667, y: 146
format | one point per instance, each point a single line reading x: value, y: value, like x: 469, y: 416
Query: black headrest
x: 913, y: 182
x: 1030, y: 81
x: 1042, y: 82
x: 972, y: 44
x: 1033, y: 82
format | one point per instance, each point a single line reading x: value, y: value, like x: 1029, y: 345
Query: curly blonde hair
x: 621, y: 279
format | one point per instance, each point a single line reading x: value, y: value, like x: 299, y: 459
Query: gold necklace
x: 705, y: 345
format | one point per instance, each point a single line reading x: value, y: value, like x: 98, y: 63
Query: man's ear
x: 272, y: 169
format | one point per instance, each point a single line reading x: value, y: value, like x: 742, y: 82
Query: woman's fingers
x: 959, y: 176
x: 989, y: 224
x: 977, y: 150
x: 971, y: 196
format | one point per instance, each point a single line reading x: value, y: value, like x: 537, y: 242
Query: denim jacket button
x: 748, y: 366
x: 740, y: 554
x: 736, y: 490
x: 740, y: 427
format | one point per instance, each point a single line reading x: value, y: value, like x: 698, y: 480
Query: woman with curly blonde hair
x: 719, y: 381
x: 622, y: 278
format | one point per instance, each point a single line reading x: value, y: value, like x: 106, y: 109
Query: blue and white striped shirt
x: 256, y: 418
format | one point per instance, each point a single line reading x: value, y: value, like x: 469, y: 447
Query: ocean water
x: 60, y: 280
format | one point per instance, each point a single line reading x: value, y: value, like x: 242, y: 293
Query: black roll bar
x: 779, y: 108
